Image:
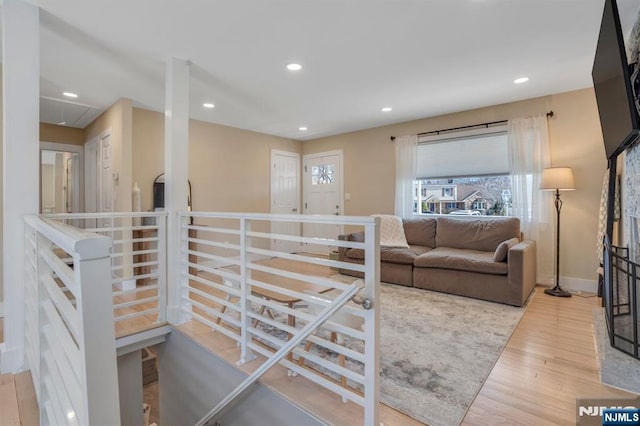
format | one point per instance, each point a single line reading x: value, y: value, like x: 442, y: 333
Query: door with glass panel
x: 322, y: 188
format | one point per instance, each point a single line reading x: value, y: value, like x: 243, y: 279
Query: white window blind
x: 469, y: 153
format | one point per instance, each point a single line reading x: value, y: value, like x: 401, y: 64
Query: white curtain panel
x: 406, y: 166
x: 528, y: 141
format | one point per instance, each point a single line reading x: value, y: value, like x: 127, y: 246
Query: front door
x: 322, y: 195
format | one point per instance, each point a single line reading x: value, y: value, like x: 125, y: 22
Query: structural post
x: 176, y: 168
x: 21, y: 97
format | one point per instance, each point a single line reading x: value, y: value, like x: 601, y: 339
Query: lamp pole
x: 557, y: 290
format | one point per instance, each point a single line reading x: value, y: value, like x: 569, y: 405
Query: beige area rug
x: 437, y: 350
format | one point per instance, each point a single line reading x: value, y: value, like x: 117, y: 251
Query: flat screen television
x: 616, y: 93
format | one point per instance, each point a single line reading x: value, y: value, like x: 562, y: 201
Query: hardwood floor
x: 18, y: 405
x: 548, y: 363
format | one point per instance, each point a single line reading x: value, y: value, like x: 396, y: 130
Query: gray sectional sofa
x: 461, y: 255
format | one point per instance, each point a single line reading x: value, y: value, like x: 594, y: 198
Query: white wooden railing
x: 233, y: 281
x: 138, y: 264
x: 69, y: 333
x: 250, y: 277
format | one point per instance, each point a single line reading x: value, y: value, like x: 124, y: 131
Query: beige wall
x: 61, y: 134
x: 148, y: 152
x: 47, y: 185
x: 575, y: 138
x: 118, y: 118
x: 576, y: 141
x: 228, y: 167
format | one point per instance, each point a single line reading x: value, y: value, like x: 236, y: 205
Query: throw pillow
x: 502, y: 250
x: 392, y: 231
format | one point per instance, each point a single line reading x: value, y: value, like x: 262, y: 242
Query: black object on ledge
x: 621, y: 291
x: 158, y: 194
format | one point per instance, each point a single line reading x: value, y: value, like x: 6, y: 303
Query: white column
x: 21, y: 91
x: 176, y: 168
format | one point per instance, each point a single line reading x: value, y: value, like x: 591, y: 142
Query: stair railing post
x: 184, y: 308
x: 92, y: 271
x: 41, y: 269
x: 246, y: 354
x: 161, y: 223
x: 372, y: 324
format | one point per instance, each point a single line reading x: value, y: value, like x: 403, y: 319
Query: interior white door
x: 91, y: 174
x: 99, y: 194
x: 105, y: 186
x: 285, y: 197
x: 322, y: 195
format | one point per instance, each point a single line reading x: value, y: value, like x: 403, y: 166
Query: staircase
x: 18, y: 404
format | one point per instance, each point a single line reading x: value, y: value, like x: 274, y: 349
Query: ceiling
x: 421, y: 57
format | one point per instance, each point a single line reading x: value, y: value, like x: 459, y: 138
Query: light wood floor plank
x: 9, y: 413
x: 27, y: 402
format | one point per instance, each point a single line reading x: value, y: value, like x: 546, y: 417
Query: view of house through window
x: 463, y: 173
x: 481, y: 195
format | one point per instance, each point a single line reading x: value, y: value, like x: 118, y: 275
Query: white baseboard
x: 11, y: 359
x: 578, y: 285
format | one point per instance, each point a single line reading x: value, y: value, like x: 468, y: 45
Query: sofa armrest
x: 522, y: 265
x: 342, y: 251
x: 354, y: 236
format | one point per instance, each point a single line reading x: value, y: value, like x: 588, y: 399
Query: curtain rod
x: 486, y: 125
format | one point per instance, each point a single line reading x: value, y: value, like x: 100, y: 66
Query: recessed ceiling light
x: 386, y: 109
x: 208, y: 105
x: 70, y: 95
x: 521, y: 80
x: 294, y: 67
x: 303, y: 128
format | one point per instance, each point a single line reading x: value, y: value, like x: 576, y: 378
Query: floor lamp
x: 557, y: 179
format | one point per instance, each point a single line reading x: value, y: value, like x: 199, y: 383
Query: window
x: 479, y: 205
x: 464, y: 171
x: 322, y: 174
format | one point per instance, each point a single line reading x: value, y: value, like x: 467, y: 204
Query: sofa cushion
x: 392, y: 254
x: 461, y: 260
x: 483, y: 234
x: 420, y: 231
x: 500, y: 255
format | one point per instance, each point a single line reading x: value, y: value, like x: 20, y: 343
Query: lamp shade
x: 560, y: 178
